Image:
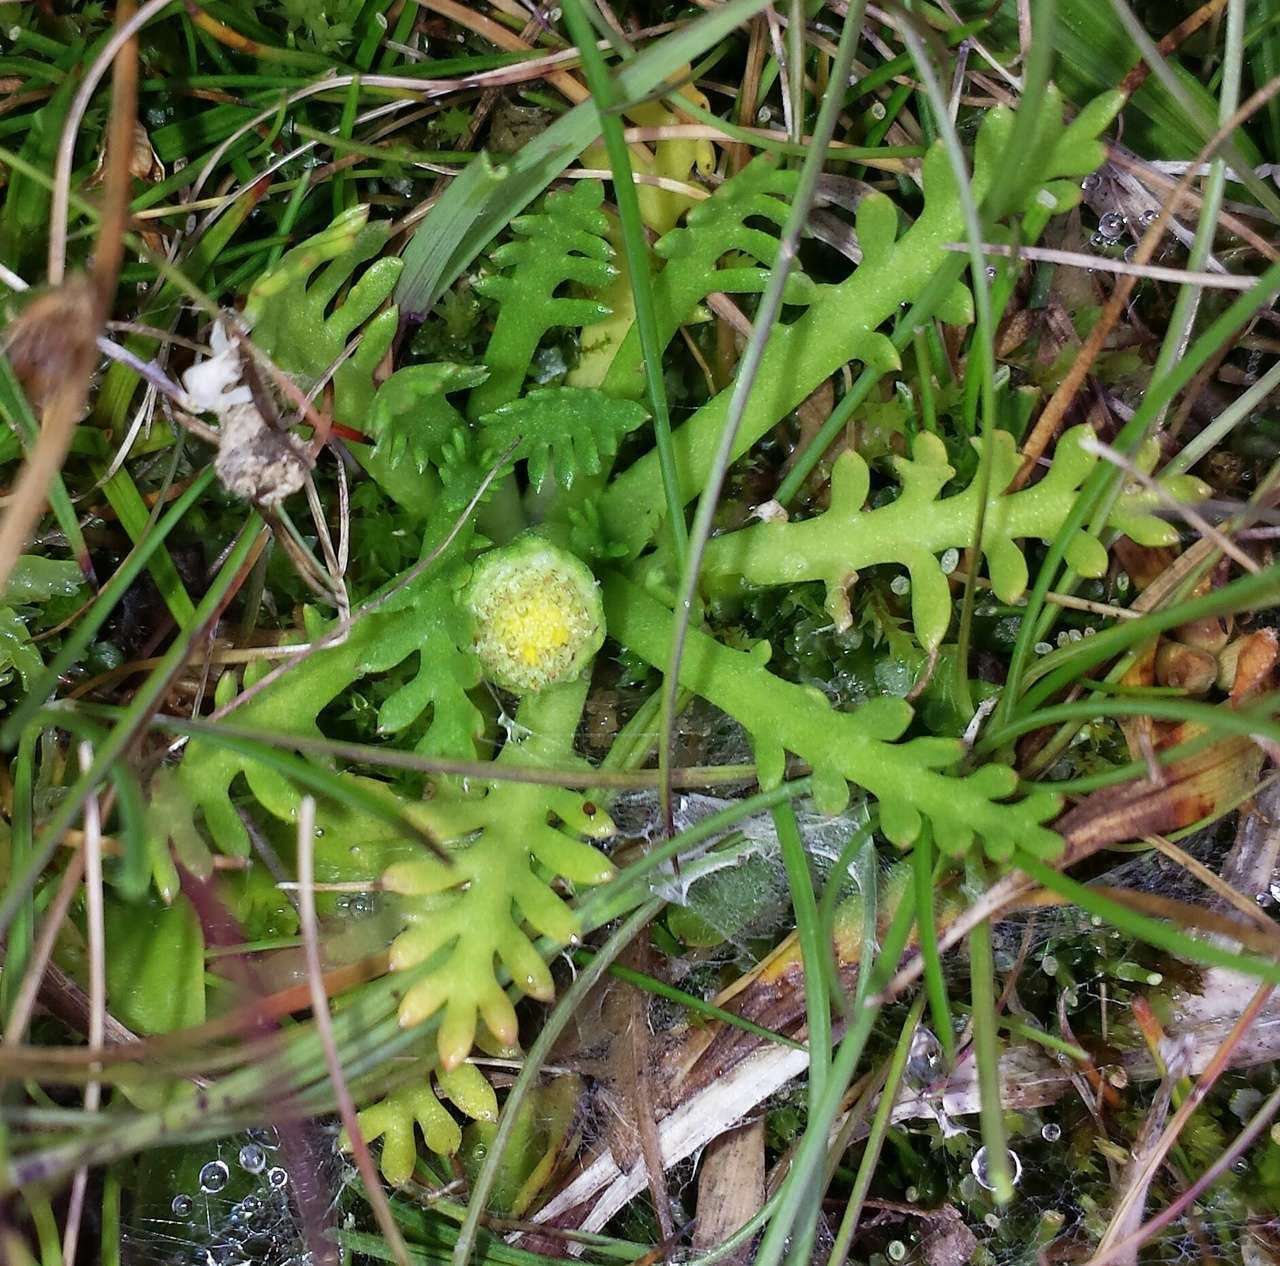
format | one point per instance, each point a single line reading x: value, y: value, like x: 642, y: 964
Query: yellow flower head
x: 537, y: 613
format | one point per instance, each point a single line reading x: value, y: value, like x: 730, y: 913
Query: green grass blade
x: 986, y: 1048
x: 922, y: 868
x: 639, y: 260
x: 815, y: 949
x: 875, y: 1137
x: 480, y: 203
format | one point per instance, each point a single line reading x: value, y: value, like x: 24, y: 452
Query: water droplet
x: 182, y: 1206
x: 213, y: 1177
x: 924, y: 1061
x: 1090, y: 182
x: 900, y: 585
x: 1043, y: 648
x: 992, y: 1221
x: 878, y: 110
x: 253, y: 1159
x: 912, y: 1194
x: 277, y: 1177
x: 1148, y: 218
x: 991, y: 272
x: 1049, y: 965
x: 1112, y: 225
x: 949, y: 561
x: 1118, y: 1077
x: 251, y: 1205
x: 764, y: 114
x: 897, y: 1251
x: 980, y: 1172
x: 1051, y: 1132
x: 1240, y: 1165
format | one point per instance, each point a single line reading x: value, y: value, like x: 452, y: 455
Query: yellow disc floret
x: 537, y: 613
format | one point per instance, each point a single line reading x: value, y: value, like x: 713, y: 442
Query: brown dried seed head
x: 1186, y: 668
x: 53, y: 341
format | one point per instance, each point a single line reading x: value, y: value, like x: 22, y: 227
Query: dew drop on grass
x: 1112, y: 225
x: 253, y: 1160
x: 213, y: 1177
x: 987, y: 1180
x: 1051, y: 1132
x: 182, y: 1206
x: 897, y: 1251
x: 277, y: 1177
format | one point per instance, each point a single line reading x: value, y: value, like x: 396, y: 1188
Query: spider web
x: 231, y: 1202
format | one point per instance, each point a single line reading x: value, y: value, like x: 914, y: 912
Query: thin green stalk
x: 986, y: 1047
x: 135, y: 716
x: 924, y: 380
x: 1050, y: 1041
x: 1208, y: 440
x: 610, y: 107
x: 1187, y: 302
x: 814, y: 950
x: 87, y: 626
x: 860, y: 850
x: 531, y: 1069
x: 109, y: 1254
x: 46, y: 1230
x: 811, y: 1154
x: 795, y: 76
x: 766, y: 316
x: 923, y: 871
x: 875, y: 1137
x: 292, y: 210
x: 21, y: 935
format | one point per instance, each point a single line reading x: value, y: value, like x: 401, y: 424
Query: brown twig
x: 324, y: 1029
